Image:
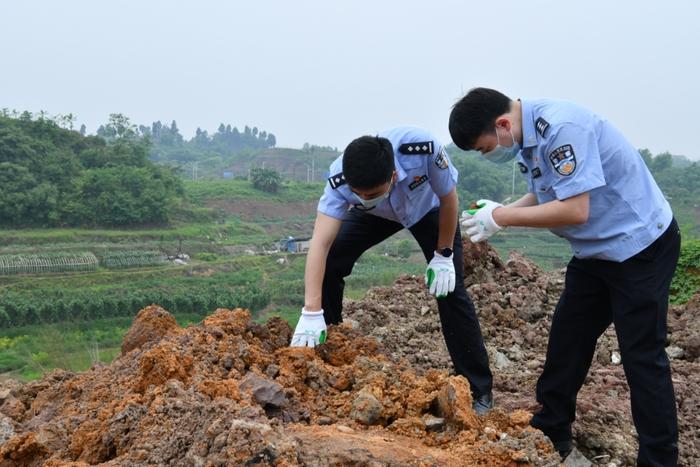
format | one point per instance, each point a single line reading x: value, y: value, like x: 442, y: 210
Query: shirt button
x: 659, y: 225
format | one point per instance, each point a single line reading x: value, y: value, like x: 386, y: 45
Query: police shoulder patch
x: 420, y: 147
x: 541, y: 125
x: 523, y: 167
x: 337, y: 180
x: 441, y: 159
x: 563, y: 160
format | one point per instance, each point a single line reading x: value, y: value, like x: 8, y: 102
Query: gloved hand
x: 479, y: 222
x: 440, y: 275
x: 310, y: 330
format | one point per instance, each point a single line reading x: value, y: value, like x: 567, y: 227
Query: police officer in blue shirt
x: 402, y: 178
x: 588, y: 184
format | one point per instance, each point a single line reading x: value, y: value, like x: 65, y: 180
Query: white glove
x: 440, y: 275
x: 479, y: 222
x: 310, y: 330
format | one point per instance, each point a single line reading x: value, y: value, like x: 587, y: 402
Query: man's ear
x: 503, y: 122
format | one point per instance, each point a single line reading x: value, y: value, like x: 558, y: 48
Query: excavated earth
x: 380, y: 391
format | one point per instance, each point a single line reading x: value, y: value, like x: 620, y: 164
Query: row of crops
x: 56, y: 305
x: 42, y: 263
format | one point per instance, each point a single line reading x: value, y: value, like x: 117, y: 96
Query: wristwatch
x: 446, y: 252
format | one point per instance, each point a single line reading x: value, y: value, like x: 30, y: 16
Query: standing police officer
x: 402, y: 178
x: 588, y: 184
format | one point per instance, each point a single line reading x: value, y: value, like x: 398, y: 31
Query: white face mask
x: 367, y: 204
x: 501, y: 154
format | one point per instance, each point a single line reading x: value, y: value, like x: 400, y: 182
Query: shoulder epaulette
x: 420, y: 147
x: 337, y: 180
x: 541, y: 125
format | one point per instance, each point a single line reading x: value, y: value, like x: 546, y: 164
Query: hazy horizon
x: 325, y: 73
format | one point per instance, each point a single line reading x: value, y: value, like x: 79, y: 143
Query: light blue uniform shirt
x: 424, y: 172
x: 567, y: 151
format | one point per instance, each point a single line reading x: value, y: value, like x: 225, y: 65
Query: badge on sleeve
x: 563, y: 160
x: 441, y: 159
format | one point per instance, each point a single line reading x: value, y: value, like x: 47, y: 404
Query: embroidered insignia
x: 536, y: 172
x: 441, y: 159
x: 337, y: 180
x: 425, y: 147
x: 563, y: 160
x: 523, y: 167
x: 541, y: 125
x: 418, y: 180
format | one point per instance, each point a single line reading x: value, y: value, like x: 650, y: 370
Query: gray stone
x: 673, y: 352
x: 434, y: 423
x: 264, y: 391
x: 366, y: 409
x: 7, y: 429
x: 500, y: 361
x: 576, y: 459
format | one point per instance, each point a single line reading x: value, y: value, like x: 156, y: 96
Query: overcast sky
x: 325, y: 72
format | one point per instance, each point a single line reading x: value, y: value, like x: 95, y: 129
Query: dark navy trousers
x: 632, y: 294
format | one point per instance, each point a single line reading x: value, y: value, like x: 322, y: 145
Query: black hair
x: 475, y: 114
x: 368, y: 162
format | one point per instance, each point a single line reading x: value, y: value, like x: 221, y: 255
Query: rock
x: 500, y: 361
x: 433, y: 423
x: 366, y: 409
x: 264, y: 391
x: 615, y: 358
x: 516, y: 353
x: 454, y: 402
x: 576, y: 459
x: 674, y: 352
x: 692, y: 347
x: 7, y: 429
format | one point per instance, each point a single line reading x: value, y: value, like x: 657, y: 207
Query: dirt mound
x: 230, y: 392
x: 379, y: 392
x: 515, y: 301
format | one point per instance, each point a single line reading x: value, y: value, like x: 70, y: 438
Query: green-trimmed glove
x: 310, y: 330
x: 479, y: 222
x: 440, y: 275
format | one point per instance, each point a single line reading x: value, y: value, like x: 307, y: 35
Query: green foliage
x: 686, y: 281
x: 479, y: 178
x: 266, y: 180
x: 169, y: 145
x: 206, y: 256
x: 132, y: 259
x: 21, y: 308
x: 50, y: 176
x: 404, y: 248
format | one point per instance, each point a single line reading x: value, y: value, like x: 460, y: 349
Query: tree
x: 267, y: 180
x: 661, y: 162
x: 646, y: 155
